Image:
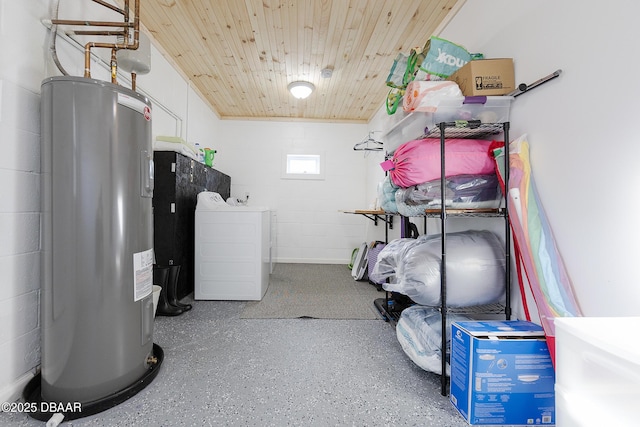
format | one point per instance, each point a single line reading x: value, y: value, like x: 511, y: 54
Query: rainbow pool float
x: 534, y: 243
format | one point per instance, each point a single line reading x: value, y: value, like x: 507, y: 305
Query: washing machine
x: 232, y: 259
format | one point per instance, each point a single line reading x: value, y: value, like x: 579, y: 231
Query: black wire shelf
x: 465, y: 129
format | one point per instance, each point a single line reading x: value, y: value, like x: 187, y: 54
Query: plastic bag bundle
x: 419, y: 333
x: 442, y: 59
x: 461, y: 192
x: 397, y: 77
x: 387, y: 195
x: 475, y: 268
x: 389, y: 261
x: 418, y: 161
x: 425, y: 96
x: 372, y: 257
x: 400, y: 75
x: 437, y: 60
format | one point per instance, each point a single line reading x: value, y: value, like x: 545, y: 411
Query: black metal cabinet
x: 178, y: 180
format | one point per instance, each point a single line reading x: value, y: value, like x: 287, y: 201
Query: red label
x: 147, y: 113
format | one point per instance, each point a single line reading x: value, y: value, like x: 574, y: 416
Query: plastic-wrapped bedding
x: 387, y: 195
x: 389, y: 263
x: 419, y: 333
x: 462, y: 192
x: 475, y: 268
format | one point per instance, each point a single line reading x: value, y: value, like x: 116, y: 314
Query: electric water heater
x: 96, y: 297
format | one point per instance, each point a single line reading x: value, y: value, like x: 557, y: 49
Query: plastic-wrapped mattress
x: 419, y: 333
x: 475, y: 268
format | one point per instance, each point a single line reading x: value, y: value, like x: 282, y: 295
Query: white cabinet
x: 597, y: 371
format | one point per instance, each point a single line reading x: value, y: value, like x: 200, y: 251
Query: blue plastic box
x: 502, y: 373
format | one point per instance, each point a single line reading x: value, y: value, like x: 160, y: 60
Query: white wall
x: 20, y: 77
x: 310, y: 227
x: 581, y: 129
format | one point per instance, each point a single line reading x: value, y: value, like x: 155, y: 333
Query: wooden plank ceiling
x: 241, y: 54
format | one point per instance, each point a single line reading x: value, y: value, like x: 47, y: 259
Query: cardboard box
x: 502, y: 373
x: 485, y: 77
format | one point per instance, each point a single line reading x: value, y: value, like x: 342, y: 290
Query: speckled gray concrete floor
x: 220, y: 370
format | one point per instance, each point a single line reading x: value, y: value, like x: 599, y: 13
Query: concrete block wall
x: 20, y: 217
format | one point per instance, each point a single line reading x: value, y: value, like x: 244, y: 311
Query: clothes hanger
x: 369, y: 144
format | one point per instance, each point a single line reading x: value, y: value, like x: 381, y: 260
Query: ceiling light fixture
x: 301, y: 89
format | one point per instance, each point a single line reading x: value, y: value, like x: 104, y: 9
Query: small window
x: 303, y: 166
x: 303, y: 163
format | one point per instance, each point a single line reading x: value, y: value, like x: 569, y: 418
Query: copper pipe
x: 91, y: 23
x: 126, y: 19
x: 133, y: 82
x: 87, y: 55
x: 112, y: 7
x: 114, y: 67
x: 116, y: 46
x: 99, y: 33
x: 136, y: 25
x: 126, y: 25
x: 87, y: 61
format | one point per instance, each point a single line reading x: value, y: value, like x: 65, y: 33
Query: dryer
x: 232, y: 259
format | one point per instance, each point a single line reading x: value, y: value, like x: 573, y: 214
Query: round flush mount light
x: 301, y: 89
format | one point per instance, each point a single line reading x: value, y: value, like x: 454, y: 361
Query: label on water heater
x: 142, y: 274
x: 135, y: 105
